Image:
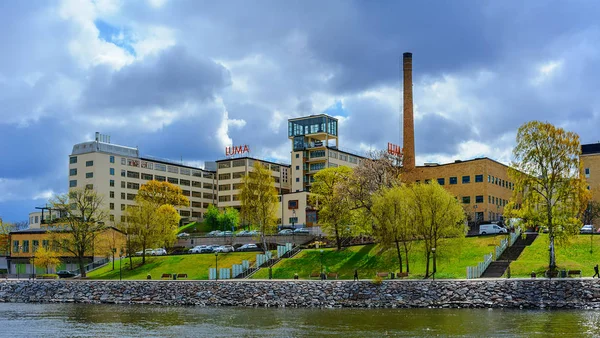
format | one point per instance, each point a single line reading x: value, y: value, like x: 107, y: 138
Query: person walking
x: 355, y: 275
x: 596, y: 271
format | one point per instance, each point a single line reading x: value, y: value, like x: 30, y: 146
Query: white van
x: 491, y: 229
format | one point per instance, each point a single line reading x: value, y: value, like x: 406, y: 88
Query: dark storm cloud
x: 171, y: 78
x: 436, y: 134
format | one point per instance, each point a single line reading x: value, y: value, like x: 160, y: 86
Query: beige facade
x: 590, y: 159
x: 117, y: 172
x: 482, y: 185
x: 231, y: 171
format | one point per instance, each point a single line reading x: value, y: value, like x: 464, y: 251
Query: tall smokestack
x: 409, y: 128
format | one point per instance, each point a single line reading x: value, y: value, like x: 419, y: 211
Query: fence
x: 224, y: 273
x: 92, y: 266
x: 283, y: 249
x: 477, y: 271
x: 238, y: 269
x: 500, y: 249
x: 514, y: 236
x: 263, y: 258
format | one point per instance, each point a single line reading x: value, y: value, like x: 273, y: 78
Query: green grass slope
x: 196, y: 266
x: 194, y: 227
x: 453, y: 256
x: 574, y: 255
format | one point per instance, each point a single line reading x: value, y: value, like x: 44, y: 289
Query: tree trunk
x: 113, y: 259
x: 399, y: 255
x: 406, y: 256
x: 81, y: 264
x: 130, y: 262
x: 427, y: 266
x: 337, y: 238
x: 552, y: 258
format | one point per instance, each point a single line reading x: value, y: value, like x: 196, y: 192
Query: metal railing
x: 500, y: 248
x: 92, y: 266
x: 477, y: 271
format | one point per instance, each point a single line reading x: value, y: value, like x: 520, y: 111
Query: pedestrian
x: 596, y: 271
x: 355, y: 275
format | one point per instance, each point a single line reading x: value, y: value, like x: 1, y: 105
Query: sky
x: 184, y: 79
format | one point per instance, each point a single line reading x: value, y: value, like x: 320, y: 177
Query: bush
x: 48, y: 276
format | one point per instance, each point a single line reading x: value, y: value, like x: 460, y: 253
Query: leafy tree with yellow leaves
x: 45, y: 258
x: 550, y: 188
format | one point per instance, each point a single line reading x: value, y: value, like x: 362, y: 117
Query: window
x: 35, y: 244
x: 478, y: 178
x: 332, y: 154
x: 466, y: 179
x: 317, y: 153
x: 223, y: 165
x: 172, y: 180
x: 123, y: 173
x: 453, y: 180
x: 186, y: 192
x: 293, y: 204
x: 237, y: 186
x: 45, y: 244
x: 275, y: 168
x: 587, y: 172
x: 123, y: 161
x: 112, y: 194
x: 160, y: 178
x: 239, y: 163
x: 207, y: 175
x: 196, y: 184
x: 479, y: 199
x: 466, y: 199
x: 111, y: 171
x: 184, y: 171
x: 427, y: 181
x: 73, y: 159
x: 15, y: 246
x: 160, y: 167
x: 208, y: 196
x: 226, y: 198
x: 224, y: 187
x: 123, y: 184
x: 73, y: 172
x: 297, y: 167
x: 89, y: 186
x: 297, y: 179
x: 111, y: 206
x: 111, y: 217
x: 196, y: 173
x: 89, y: 175
x: 147, y: 177
x: 224, y: 176
x: 184, y: 182
x: 122, y: 195
x: 72, y: 183
x: 196, y: 205
x: 133, y: 174
x: 26, y: 245
x: 441, y: 181
x: 239, y: 174
x: 196, y: 194
x: 130, y: 197
x: 123, y: 207
x: 111, y: 183
x: 131, y: 185
x: 207, y: 186
x: 89, y: 163
x: 173, y: 170
x: 316, y: 166
x: 112, y: 159
x: 297, y: 156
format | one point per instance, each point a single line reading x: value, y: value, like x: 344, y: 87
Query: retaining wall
x: 540, y: 293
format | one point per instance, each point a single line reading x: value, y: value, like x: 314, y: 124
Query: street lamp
x: 434, y: 265
x: 217, y: 265
x: 321, y: 264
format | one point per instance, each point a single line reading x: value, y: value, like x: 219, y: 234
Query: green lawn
x: 573, y: 256
x: 196, y: 266
x: 194, y: 227
x: 453, y: 256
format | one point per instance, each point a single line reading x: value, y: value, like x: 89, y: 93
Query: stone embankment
x: 541, y: 293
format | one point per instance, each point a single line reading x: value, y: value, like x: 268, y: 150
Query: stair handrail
x: 514, y: 236
x: 477, y: 271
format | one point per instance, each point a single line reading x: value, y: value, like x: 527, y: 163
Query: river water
x: 78, y: 320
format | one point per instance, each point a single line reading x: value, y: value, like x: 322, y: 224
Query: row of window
x: 73, y: 184
x: 23, y: 246
x: 491, y: 200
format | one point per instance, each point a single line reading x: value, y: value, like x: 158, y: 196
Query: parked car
x: 200, y: 249
x: 254, y: 233
x: 214, y: 233
x: 225, y: 248
x: 227, y: 233
x: 65, y: 274
x: 587, y: 229
x: 159, y: 252
x: 248, y: 247
x: 485, y: 229
x: 286, y: 232
x: 243, y: 233
x: 183, y: 235
x: 301, y: 231
x: 149, y: 252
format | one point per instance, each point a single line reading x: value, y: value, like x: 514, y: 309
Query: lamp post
x: 321, y: 264
x: 434, y: 265
x: 217, y: 266
x: 293, y: 227
x: 33, y: 250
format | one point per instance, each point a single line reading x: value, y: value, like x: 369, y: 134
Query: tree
x: 5, y: 229
x: 436, y: 214
x: 229, y: 218
x: 153, y: 219
x: 591, y: 213
x: 259, y: 200
x: 335, y: 213
x: 392, y: 214
x: 44, y: 258
x: 549, y: 181
x: 107, y: 243
x: 84, y: 218
x: 211, y: 217
x: 161, y: 193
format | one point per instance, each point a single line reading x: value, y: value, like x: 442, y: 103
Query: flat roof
x: 591, y: 148
x: 310, y: 117
x: 150, y: 158
x: 51, y: 229
x: 461, y: 162
x: 254, y: 159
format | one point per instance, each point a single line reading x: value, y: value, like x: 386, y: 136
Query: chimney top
x: 407, y: 55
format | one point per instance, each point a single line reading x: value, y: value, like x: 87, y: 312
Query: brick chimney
x: 409, y: 128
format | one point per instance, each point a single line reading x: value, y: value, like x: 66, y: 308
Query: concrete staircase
x: 497, y: 268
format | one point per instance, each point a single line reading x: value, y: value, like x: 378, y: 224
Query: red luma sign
x: 233, y: 150
x: 394, y: 149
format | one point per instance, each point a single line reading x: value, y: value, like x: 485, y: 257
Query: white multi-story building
x: 116, y: 172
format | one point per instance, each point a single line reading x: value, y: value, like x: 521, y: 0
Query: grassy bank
x: 573, y: 256
x: 196, y: 266
x: 453, y: 256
